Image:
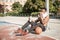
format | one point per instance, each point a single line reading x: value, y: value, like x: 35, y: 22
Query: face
x: 43, y: 10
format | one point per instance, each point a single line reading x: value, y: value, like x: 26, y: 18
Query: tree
x: 33, y: 5
x: 17, y: 7
x: 52, y: 8
x: 57, y: 5
x: 40, y: 4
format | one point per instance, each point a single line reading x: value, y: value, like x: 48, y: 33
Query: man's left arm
x: 45, y: 20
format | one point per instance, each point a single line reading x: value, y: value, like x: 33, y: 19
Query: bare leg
x: 38, y: 30
x: 25, y: 25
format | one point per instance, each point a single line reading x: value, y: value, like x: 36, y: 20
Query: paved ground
x: 52, y: 31
x: 7, y: 33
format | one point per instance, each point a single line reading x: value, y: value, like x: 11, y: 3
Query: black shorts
x: 41, y: 26
x: 38, y: 24
x: 34, y: 25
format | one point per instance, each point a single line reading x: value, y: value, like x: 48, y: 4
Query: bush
x: 1, y: 15
x: 12, y: 13
x: 34, y: 13
x: 23, y: 14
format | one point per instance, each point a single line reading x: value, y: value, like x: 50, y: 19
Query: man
x: 39, y: 24
x: 43, y: 17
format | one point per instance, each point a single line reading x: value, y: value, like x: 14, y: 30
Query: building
x: 6, y: 4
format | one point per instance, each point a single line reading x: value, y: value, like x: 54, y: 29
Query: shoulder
x: 45, y: 15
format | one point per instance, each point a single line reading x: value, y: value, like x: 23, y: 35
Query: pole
x: 4, y: 8
x: 47, y: 5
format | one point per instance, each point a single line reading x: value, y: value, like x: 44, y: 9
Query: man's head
x: 43, y: 10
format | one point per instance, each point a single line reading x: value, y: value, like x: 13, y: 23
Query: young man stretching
x: 38, y: 25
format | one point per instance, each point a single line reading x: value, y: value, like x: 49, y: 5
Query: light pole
x: 4, y: 7
x: 47, y: 5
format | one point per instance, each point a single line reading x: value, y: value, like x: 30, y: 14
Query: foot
x: 21, y: 32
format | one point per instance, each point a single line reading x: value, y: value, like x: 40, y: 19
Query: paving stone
x: 5, y: 35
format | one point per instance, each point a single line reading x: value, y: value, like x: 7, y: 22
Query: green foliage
x: 33, y: 5
x: 12, y: 13
x: 57, y: 5
x: 40, y: 3
x: 34, y: 13
x: 17, y: 7
x: 1, y: 15
x: 52, y: 7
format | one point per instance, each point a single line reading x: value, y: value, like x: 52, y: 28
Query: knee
x: 38, y: 30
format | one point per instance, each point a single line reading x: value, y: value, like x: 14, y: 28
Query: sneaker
x: 22, y: 32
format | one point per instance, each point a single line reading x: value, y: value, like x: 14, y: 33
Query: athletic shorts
x: 38, y: 24
x: 34, y: 25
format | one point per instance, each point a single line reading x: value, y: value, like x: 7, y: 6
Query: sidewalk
x: 52, y: 28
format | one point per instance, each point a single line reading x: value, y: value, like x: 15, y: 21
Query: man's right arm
x: 37, y: 20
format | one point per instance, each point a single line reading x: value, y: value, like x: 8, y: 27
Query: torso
x: 44, y: 15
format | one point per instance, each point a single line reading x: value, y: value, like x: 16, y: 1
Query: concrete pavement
x: 53, y: 26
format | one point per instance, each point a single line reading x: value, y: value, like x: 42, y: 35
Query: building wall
x: 1, y: 8
x: 7, y: 3
x: 10, y: 2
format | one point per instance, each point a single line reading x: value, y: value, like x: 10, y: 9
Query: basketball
x: 38, y: 30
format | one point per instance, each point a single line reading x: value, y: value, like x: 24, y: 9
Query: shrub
x: 34, y: 13
x: 1, y: 14
x: 12, y: 13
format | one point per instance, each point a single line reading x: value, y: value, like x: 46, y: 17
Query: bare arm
x: 45, y: 20
x: 40, y: 15
x: 37, y: 20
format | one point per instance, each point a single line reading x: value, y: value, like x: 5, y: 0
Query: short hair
x: 40, y: 10
x: 44, y: 8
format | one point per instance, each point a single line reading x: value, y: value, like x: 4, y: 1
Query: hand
x: 32, y: 20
